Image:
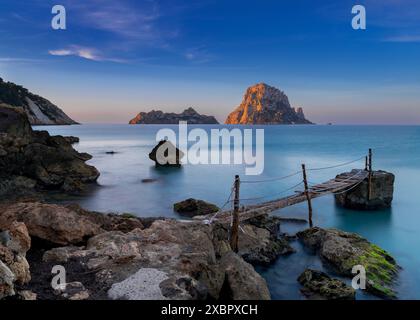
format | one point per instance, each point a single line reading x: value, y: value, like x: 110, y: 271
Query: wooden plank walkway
x: 341, y: 183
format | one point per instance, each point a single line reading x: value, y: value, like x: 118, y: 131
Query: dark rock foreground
x: 35, y: 161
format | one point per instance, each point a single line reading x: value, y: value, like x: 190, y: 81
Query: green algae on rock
x: 344, y: 250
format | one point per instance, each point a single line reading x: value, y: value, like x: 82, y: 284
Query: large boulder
x: 32, y: 160
x: 193, y: 207
x: 343, y: 250
x: 381, y: 195
x: 63, y: 225
x: 318, y: 285
x: 166, y: 154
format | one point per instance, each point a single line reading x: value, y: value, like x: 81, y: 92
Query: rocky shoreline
x: 112, y: 256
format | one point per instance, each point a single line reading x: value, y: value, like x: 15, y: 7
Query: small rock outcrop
x: 39, y: 110
x: 343, y: 250
x: 193, y: 207
x: 159, y: 117
x: 318, y: 285
x: 34, y: 160
x: 382, y: 191
x: 166, y: 154
x: 263, y: 104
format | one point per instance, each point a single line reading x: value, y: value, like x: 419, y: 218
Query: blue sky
x: 118, y: 58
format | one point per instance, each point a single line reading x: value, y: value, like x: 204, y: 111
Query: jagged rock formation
x: 166, y: 154
x: 159, y: 117
x: 34, y: 161
x: 263, y: 104
x: 39, y: 110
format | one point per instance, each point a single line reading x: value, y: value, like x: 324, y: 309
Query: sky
x: 117, y: 58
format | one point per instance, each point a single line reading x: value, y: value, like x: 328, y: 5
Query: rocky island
x: 159, y: 117
x: 39, y: 110
x: 263, y: 104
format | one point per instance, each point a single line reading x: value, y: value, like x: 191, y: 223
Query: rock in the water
x: 36, y: 160
x: 166, y: 154
x: 319, y: 286
x: 193, y: 207
x: 40, y: 111
x: 158, y: 117
x: 263, y: 104
x: 344, y: 250
x: 382, y: 190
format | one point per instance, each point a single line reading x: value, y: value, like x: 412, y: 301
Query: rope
x: 345, y: 190
x: 336, y: 166
x: 210, y: 221
x: 273, y: 194
x: 272, y: 179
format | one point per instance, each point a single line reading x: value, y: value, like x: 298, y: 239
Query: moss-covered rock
x: 318, y: 285
x: 344, y: 250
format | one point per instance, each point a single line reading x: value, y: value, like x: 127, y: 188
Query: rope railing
x: 336, y: 166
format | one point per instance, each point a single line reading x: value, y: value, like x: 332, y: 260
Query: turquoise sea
x: 395, y: 149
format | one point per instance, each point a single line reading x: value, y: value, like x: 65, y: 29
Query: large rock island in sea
x: 159, y: 117
x: 39, y: 110
x: 263, y: 104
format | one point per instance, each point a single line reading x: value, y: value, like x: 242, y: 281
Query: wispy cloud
x: 83, y: 52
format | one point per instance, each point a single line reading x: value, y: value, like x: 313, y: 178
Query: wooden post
x: 308, y: 196
x: 370, y: 175
x: 366, y: 163
x: 234, y: 235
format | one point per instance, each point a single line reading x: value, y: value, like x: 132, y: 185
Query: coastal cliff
x: 39, y: 110
x: 159, y: 117
x: 32, y: 161
x: 263, y: 104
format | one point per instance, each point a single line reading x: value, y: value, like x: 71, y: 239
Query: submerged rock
x: 34, y: 160
x: 318, y: 285
x: 166, y: 154
x: 344, y: 250
x: 382, y: 190
x: 193, y: 207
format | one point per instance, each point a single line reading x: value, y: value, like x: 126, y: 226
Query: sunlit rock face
x: 263, y: 104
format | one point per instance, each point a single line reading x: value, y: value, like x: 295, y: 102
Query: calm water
x: 396, y: 149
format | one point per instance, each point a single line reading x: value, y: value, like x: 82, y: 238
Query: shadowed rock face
x: 382, y: 192
x: 32, y: 160
x: 159, y: 117
x: 263, y: 104
x: 40, y: 111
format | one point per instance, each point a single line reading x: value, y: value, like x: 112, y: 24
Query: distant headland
x: 39, y: 110
x: 159, y: 117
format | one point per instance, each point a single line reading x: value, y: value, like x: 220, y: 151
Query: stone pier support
x: 382, y: 189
